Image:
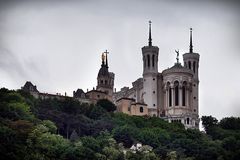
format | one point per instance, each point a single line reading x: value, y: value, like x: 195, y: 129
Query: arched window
x: 153, y: 59
x: 187, y: 120
x: 176, y: 90
x: 183, y: 96
x: 170, y: 96
x: 184, y: 93
x: 141, y: 109
x: 189, y: 65
x: 148, y: 60
x: 194, y: 66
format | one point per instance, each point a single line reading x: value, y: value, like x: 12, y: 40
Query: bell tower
x: 150, y: 73
x: 191, y: 61
x: 105, y: 79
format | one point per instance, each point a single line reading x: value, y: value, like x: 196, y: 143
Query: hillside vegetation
x: 65, y: 129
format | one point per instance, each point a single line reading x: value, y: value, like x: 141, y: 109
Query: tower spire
x: 150, y: 35
x: 191, y: 46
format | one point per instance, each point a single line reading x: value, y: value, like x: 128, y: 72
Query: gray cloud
x: 10, y: 63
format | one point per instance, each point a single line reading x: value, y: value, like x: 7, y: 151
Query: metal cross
x: 106, y: 52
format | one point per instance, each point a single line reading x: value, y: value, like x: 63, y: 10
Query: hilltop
x: 66, y: 129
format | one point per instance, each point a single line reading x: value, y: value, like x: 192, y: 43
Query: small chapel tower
x: 105, y: 79
x: 191, y: 61
x: 150, y: 73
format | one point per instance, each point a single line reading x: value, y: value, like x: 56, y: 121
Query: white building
x: 171, y: 94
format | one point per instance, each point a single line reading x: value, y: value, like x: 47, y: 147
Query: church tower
x: 150, y: 73
x: 191, y: 61
x: 105, y: 79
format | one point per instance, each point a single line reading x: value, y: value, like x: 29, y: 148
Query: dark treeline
x: 65, y: 129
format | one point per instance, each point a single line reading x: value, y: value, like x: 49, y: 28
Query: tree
x: 50, y: 125
x: 97, y: 112
x: 208, y: 122
x: 44, y: 145
x: 125, y: 134
x: 74, y: 136
x: 230, y: 123
x: 107, y: 105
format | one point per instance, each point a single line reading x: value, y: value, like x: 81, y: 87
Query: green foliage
x: 125, y: 134
x: 40, y: 129
x: 141, y: 156
x: 13, y: 106
x: 107, y: 105
x: 97, y: 112
x: 208, y: 122
x: 50, y: 125
x: 230, y: 123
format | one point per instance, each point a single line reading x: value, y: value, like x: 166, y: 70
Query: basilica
x: 171, y: 94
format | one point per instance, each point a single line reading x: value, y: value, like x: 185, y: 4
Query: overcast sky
x: 57, y: 45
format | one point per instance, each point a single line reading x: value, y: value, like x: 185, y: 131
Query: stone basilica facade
x: 171, y: 94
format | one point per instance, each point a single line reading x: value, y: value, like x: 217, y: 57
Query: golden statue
x: 103, y: 57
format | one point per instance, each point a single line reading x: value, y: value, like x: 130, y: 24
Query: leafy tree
x: 74, y: 136
x: 230, y: 123
x: 50, y: 125
x: 107, y: 105
x: 97, y: 112
x: 125, y: 134
x: 208, y: 122
x: 13, y: 106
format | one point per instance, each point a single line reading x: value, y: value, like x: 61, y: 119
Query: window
x: 153, y: 92
x: 153, y: 79
x: 170, y: 96
x: 101, y: 81
x: 153, y: 59
x: 148, y: 60
x: 187, y: 120
x: 189, y: 65
x: 105, y: 81
x: 184, y: 93
x: 129, y: 109
x: 183, y: 96
x: 176, y: 84
x: 141, y: 109
x: 194, y: 66
x: 154, y: 105
x: 194, y: 97
x: 98, y: 96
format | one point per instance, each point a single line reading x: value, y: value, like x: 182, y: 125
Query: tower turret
x: 150, y: 73
x: 191, y: 61
x: 105, y: 79
x: 150, y: 56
